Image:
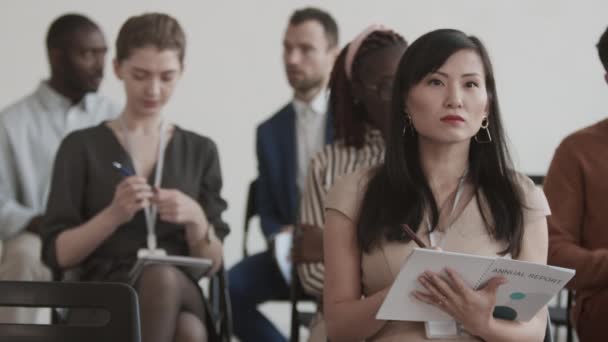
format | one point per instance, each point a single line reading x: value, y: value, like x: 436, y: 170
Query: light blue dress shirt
x: 30, y: 133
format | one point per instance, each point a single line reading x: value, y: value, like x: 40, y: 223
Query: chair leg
x: 295, y: 325
x: 220, y: 306
x: 555, y: 332
x: 548, y: 334
x: 569, y: 337
x: 569, y: 334
x: 227, y: 308
x: 294, y: 294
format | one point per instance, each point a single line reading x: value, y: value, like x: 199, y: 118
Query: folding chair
x: 560, y: 313
x: 296, y: 294
x: 118, y: 302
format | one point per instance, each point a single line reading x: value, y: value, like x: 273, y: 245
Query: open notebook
x: 195, y: 267
x: 529, y: 286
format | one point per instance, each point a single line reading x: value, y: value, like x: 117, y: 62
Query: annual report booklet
x: 529, y: 286
x: 195, y: 267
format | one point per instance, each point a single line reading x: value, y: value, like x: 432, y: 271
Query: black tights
x: 171, y: 306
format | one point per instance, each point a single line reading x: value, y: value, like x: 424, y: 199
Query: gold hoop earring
x: 483, y: 136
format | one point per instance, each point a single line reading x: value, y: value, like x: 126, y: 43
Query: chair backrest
x: 119, y: 300
x: 250, y: 211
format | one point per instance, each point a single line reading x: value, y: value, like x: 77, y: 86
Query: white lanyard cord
x: 152, y: 210
x: 459, y: 191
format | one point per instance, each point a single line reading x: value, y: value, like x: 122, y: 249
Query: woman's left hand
x: 176, y: 207
x: 472, y: 308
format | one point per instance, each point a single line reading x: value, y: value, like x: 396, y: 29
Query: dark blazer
x: 277, y: 193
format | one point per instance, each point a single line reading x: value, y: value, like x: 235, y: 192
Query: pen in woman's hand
x: 412, y: 235
x: 122, y: 169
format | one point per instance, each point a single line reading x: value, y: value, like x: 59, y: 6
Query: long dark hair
x: 398, y: 192
x: 349, y: 116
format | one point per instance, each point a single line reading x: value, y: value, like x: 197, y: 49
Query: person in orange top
x: 576, y: 189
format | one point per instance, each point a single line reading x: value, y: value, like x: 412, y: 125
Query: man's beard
x: 306, y: 85
x: 81, y: 82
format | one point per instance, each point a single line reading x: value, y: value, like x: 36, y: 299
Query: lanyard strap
x: 459, y: 191
x: 151, y: 211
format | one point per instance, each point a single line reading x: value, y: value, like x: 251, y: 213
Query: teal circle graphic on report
x: 517, y: 296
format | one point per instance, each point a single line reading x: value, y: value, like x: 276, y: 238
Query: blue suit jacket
x: 277, y: 193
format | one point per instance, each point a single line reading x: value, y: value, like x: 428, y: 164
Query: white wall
x: 549, y: 77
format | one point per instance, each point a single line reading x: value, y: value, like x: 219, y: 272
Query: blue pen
x: 125, y: 171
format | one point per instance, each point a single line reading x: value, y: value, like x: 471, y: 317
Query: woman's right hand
x: 131, y: 195
x: 451, y: 294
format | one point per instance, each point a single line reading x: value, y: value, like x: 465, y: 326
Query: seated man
x: 285, y: 144
x: 576, y: 188
x: 30, y: 132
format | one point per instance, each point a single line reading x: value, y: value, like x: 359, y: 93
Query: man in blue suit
x: 285, y: 144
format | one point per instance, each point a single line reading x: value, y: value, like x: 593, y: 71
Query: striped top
x: 325, y: 168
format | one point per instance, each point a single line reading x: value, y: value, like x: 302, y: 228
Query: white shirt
x: 30, y: 133
x: 310, y: 133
